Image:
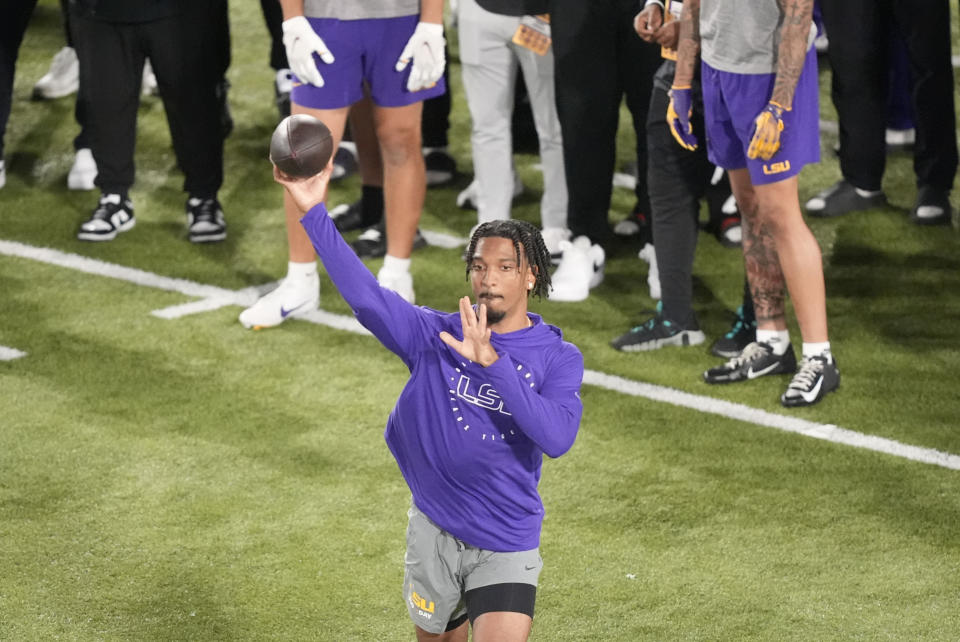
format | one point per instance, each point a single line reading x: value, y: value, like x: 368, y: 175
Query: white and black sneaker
x: 205, y: 222
x: 756, y: 360
x: 816, y: 377
x: 114, y: 214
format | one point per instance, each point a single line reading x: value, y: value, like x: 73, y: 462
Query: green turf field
x: 186, y: 479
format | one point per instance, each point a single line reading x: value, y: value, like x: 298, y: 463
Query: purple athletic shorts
x: 732, y: 102
x: 365, y: 52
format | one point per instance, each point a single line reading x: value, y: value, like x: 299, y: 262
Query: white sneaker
x: 290, y: 299
x: 83, y: 172
x: 552, y: 237
x: 63, y: 78
x: 467, y: 199
x: 148, y: 85
x: 399, y: 282
x: 581, y: 269
x: 649, y: 255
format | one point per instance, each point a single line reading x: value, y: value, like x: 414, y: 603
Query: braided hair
x: 522, y: 234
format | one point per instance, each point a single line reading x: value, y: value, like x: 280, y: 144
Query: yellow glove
x: 766, y: 134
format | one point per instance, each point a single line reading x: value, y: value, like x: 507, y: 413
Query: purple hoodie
x: 469, y: 440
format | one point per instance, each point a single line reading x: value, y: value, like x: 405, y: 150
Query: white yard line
x: 211, y: 298
x: 9, y: 354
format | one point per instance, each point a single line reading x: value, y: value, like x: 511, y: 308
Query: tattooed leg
x: 798, y: 255
x: 760, y: 259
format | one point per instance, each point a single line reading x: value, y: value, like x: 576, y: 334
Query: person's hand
x: 301, y: 42
x: 305, y: 192
x: 678, y: 117
x: 668, y: 35
x: 476, y: 335
x: 425, y: 49
x: 766, y: 133
x: 648, y: 21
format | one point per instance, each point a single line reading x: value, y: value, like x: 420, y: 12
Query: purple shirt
x: 469, y: 440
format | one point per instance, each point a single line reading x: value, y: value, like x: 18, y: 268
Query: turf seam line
x: 212, y: 297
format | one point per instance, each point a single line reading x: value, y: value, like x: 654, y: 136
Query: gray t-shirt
x: 743, y: 36
x: 360, y: 9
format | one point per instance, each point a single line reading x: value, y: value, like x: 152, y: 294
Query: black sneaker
x: 349, y: 217
x: 205, y: 222
x: 933, y: 207
x: 756, y: 360
x: 344, y: 161
x: 441, y: 167
x: 372, y: 243
x: 657, y: 333
x: 737, y: 338
x: 114, y: 214
x: 636, y: 225
x: 816, y: 377
x: 842, y: 198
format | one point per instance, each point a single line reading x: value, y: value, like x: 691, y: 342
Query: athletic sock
x: 867, y: 193
x: 776, y: 339
x: 817, y: 349
x: 301, y: 271
x: 371, y: 204
x: 395, y: 264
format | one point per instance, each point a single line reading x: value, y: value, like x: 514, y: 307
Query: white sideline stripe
x: 827, y: 432
x: 9, y: 354
x: 955, y: 60
x: 214, y: 297
x: 829, y: 126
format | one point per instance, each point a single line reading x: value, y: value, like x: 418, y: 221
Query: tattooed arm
x: 688, y: 48
x: 797, y: 20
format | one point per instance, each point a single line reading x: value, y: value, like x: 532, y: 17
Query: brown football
x: 301, y: 146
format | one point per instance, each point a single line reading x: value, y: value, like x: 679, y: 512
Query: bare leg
x: 799, y: 254
x: 459, y: 634
x: 404, y: 175
x: 300, y: 248
x: 365, y: 137
x: 502, y: 626
x: 760, y: 259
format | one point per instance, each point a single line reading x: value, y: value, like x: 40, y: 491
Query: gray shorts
x: 441, y: 569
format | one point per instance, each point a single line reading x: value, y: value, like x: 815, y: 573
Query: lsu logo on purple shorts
x: 732, y: 101
x: 365, y: 53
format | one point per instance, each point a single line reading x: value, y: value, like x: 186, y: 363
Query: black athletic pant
x: 858, y: 32
x: 13, y: 24
x: 184, y: 58
x: 273, y: 17
x: 599, y: 58
x: 435, y: 120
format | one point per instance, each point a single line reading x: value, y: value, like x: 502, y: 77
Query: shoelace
x: 206, y: 211
x: 810, y: 369
x: 751, y: 352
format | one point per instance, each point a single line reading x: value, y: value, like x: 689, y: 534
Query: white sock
x: 395, y: 264
x: 817, y: 349
x: 301, y: 271
x: 776, y: 339
x: 866, y: 193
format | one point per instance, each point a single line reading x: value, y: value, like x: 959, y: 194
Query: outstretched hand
x: 306, y: 192
x: 476, y: 335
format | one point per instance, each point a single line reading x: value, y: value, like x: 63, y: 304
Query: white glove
x: 302, y: 42
x: 425, y: 48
